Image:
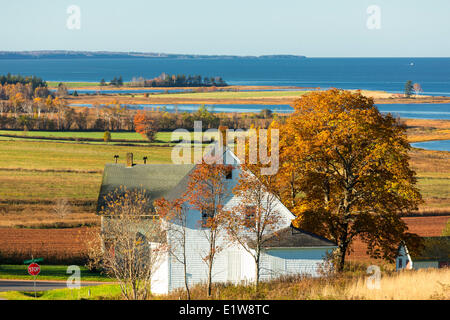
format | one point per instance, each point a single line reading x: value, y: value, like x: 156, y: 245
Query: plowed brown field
x: 54, y: 245
x: 70, y: 244
x: 423, y: 226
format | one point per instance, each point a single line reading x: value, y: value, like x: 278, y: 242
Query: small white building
x: 435, y: 253
x: 403, y: 259
x: 290, y: 252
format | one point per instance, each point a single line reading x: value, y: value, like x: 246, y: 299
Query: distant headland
x: 62, y: 54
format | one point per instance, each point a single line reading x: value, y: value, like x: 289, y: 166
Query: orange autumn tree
x: 145, y: 125
x: 344, y: 172
x: 208, y: 192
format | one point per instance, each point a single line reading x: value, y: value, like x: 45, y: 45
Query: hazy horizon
x: 323, y: 29
x: 219, y: 54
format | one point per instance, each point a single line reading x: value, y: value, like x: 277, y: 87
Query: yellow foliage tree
x: 344, y: 171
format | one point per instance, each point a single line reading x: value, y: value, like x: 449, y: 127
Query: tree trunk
x: 257, y: 275
x: 343, y: 251
x: 186, y: 284
x: 210, y: 279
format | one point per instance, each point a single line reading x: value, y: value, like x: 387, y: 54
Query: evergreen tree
x: 408, y: 88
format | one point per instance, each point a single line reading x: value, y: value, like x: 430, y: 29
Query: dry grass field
x: 426, y: 130
x: 425, y: 284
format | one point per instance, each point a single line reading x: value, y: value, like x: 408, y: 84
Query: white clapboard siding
x: 292, y: 261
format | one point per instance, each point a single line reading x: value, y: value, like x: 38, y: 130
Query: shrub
x: 107, y: 136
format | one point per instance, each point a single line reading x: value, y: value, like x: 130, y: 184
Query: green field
x: 39, y: 171
x: 49, y: 272
x: 83, y: 134
x: 49, y: 155
x: 233, y: 94
x: 435, y: 186
x: 162, y: 138
x: 54, y: 84
x: 34, y: 172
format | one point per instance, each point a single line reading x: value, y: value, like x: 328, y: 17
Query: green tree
x: 408, y: 88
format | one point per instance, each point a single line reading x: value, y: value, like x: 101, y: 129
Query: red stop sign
x: 34, y: 269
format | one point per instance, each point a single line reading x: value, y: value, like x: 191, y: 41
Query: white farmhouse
x: 291, y: 251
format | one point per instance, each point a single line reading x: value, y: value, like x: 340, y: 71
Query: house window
x: 400, y: 263
x: 206, y: 215
x: 229, y: 174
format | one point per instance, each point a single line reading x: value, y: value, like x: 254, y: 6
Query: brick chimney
x: 129, y: 160
x: 223, y: 131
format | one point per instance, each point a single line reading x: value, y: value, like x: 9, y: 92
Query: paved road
x: 25, y: 285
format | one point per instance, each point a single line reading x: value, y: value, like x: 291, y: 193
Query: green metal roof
x: 158, y: 180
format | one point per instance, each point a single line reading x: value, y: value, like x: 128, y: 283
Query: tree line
x: 21, y: 108
x: 14, y: 79
x: 180, y: 80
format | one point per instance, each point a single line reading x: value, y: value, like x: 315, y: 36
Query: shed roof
x: 292, y: 237
x: 158, y: 180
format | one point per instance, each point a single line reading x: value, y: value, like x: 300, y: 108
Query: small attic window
x: 206, y: 214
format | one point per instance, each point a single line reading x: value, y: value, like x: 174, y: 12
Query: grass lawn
x: 49, y: 272
x: 101, y: 292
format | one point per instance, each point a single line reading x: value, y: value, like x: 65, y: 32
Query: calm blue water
x: 389, y: 74
x: 418, y: 111
x: 212, y: 108
x: 442, y: 145
x: 111, y: 91
x: 412, y: 111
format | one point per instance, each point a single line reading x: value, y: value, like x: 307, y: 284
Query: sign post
x: 33, y: 270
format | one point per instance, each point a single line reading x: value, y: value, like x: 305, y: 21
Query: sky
x: 319, y: 28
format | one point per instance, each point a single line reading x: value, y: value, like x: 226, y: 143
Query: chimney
x: 223, y: 136
x: 129, y: 160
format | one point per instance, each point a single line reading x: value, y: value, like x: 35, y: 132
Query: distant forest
x: 180, y: 80
x: 14, y: 79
